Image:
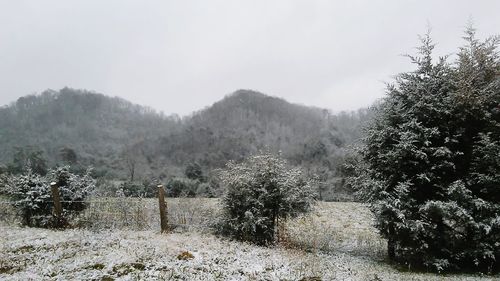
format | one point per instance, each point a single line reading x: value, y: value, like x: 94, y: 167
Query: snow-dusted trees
x: 430, y: 164
x: 31, y: 195
x: 261, y: 192
x: 29, y: 156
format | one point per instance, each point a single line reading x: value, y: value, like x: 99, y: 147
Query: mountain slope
x: 247, y: 121
x: 126, y: 141
x: 96, y: 127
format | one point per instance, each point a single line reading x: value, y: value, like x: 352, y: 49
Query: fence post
x: 57, y: 200
x: 163, y: 206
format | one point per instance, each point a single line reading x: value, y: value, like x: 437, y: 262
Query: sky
x: 181, y: 56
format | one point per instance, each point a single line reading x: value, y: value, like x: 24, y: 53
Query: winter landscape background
x: 249, y: 140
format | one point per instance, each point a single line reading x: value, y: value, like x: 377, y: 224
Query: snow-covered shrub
x: 182, y: 187
x: 260, y: 193
x: 31, y: 195
x: 133, y: 189
x: 73, y: 189
x: 205, y: 190
x: 430, y: 163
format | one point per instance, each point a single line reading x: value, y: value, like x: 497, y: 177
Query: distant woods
x: 132, y: 143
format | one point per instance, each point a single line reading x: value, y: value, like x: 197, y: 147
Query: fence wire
x: 141, y: 214
x: 124, y: 212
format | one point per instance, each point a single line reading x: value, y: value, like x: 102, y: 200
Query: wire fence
x: 142, y: 213
x: 202, y: 214
x: 130, y: 213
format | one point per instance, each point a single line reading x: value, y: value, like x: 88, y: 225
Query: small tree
x: 430, y: 161
x: 193, y: 171
x: 68, y: 155
x: 73, y: 189
x: 260, y: 193
x: 32, y: 196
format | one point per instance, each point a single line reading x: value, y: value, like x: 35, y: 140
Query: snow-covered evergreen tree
x: 73, y: 188
x: 31, y: 194
x: 260, y: 193
x: 430, y: 163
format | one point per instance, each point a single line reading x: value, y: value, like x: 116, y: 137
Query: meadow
x: 120, y: 239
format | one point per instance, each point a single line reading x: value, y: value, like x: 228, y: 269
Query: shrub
x: 205, y: 190
x: 132, y: 189
x: 260, y: 193
x: 193, y: 171
x: 73, y: 189
x: 32, y: 197
x: 430, y: 161
x: 182, y: 187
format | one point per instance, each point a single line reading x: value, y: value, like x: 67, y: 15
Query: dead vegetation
x: 335, y: 242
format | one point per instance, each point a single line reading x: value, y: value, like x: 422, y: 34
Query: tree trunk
x: 391, y: 249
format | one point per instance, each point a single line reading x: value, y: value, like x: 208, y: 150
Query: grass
x: 143, y: 214
x: 119, y: 239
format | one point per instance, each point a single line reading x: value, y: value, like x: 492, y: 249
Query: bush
x: 31, y: 194
x: 193, y: 171
x: 132, y: 189
x: 430, y: 162
x: 182, y: 187
x: 73, y: 189
x: 260, y: 193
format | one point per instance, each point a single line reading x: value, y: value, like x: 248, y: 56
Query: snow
x: 126, y: 254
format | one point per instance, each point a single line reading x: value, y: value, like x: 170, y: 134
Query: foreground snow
x: 40, y: 254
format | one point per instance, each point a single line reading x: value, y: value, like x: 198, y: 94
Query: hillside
x: 247, y: 121
x: 94, y: 126
x: 126, y: 141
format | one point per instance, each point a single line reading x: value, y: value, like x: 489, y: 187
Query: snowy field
x: 335, y: 242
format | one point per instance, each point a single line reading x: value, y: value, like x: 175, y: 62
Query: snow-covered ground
x: 334, y: 243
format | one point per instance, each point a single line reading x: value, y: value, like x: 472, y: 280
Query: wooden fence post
x: 57, y: 199
x: 163, y: 207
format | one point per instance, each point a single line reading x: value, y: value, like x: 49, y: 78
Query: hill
x: 247, y: 121
x: 96, y: 127
x: 126, y: 141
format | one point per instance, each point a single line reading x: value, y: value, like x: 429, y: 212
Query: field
x: 119, y: 239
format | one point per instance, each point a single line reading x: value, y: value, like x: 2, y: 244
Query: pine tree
x: 430, y: 161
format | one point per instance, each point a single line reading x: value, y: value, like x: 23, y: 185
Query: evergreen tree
x: 260, y: 193
x: 31, y: 194
x: 193, y: 171
x: 430, y: 161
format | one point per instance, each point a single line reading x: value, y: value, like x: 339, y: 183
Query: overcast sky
x: 180, y: 56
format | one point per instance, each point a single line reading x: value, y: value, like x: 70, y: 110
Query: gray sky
x: 180, y: 56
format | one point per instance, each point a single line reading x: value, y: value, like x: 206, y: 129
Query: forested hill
x: 94, y: 126
x: 122, y: 140
x: 247, y: 121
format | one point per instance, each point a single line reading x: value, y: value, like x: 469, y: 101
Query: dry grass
x: 143, y: 214
x: 79, y: 254
x: 337, y: 226
x: 119, y: 239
